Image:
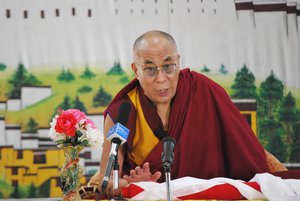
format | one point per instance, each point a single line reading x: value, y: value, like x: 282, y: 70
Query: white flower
x: 95, y: 136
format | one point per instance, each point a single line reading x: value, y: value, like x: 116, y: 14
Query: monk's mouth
x: 162, y: 92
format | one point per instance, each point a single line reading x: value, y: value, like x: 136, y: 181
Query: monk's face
x: 159, y: 84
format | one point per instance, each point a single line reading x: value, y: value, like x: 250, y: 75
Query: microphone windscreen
x: 168, y: 148
x: 169, y: 140
x: 118, y: 131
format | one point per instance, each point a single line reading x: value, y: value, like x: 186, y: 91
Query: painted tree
x: 102, y: 98
x: 31, y: 126
x: 66, y: 75
x: 295, y: 149
x: 21, y: 78
x: 62, y: 75
x: 270, y: 135
x: 271, y: 93
x: 85, y: 89
x: 116, y: 69
x: 2, y: 67
x: 205, y: 69
x: 32, y: 191
x: 287, y: 117
x: 69, y: 76
x: 244, y: 84
x: 87, y: 74
x: 223, y: 69
x: 79, y: 105
x: 66, y: 104
x: 270, y: 131
x: 16, y: 193
x: 124, y: 80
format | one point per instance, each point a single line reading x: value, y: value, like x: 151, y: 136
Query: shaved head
x: 154, y: 36
x: 156, y: 50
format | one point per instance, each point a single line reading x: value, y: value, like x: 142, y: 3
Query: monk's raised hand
x: 142, y: 174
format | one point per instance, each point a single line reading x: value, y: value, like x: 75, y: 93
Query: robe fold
x: 212, y: 138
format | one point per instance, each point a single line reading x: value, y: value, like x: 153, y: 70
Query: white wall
x: 44, y: 139
x: 95, y: 153
x: 32, y: 143
x: 43, y: 133
x: 32, y: 95
x: 98, y: 119
x: 13, y: 104
x: 3, y: 138
x: 2, y: 105
x: 13, y: 135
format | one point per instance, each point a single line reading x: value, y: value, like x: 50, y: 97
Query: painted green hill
x: 43, y: 110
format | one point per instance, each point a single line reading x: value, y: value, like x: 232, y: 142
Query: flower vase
x: 71, y: 173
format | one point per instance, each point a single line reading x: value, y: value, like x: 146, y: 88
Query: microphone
x: 168, y: 154
x: 118, y: 135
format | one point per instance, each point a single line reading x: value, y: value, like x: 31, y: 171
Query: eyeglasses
x: 152, y: 71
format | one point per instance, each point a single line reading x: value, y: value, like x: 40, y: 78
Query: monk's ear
x: 134, y: 69
x: 178, y: 61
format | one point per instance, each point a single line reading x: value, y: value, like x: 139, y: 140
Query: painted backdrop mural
x: 77, y: 54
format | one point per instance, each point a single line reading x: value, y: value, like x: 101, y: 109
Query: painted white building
x: 29, y: 141
x: 2, y: 105
x: 2, y: 131
x: 14, y: 104
x: 13, y: 135
x: 29, y: 96
x: 32, y: 95
x: 44, y: 139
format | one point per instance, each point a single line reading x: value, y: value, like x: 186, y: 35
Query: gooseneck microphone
x: 167, y: 160
x: 168, y: 154
x: 115, y: 144
x: 118, y: 135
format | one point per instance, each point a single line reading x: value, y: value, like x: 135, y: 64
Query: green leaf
x: 79, y: 133
x: 60, y: 141
x: 84, y: 143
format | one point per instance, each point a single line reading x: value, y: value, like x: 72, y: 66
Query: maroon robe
x: 212, y: 137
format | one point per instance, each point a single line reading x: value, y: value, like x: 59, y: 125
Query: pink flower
x: 76, y: 113
x: 66, y: 123
x: 91, y: 123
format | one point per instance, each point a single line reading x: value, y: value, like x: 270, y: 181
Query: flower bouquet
x: 71, y: 130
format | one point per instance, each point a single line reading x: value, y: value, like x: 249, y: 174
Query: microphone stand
x: 167, y: 169
x: 116, y: 192
x: 168, y: 180
x: 167, y: 159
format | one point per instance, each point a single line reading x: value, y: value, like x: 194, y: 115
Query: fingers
x: 132, y: 173
x: 156, y: 176
x: 123, y: 182
x: 127, y: 178
x: 94, y: 180
x: 142, y: 174
x: 146, y: 167
x: 139, y: 170
x: 131, y: 177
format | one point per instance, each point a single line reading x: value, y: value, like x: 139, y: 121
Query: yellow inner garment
x: 144, y: 140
